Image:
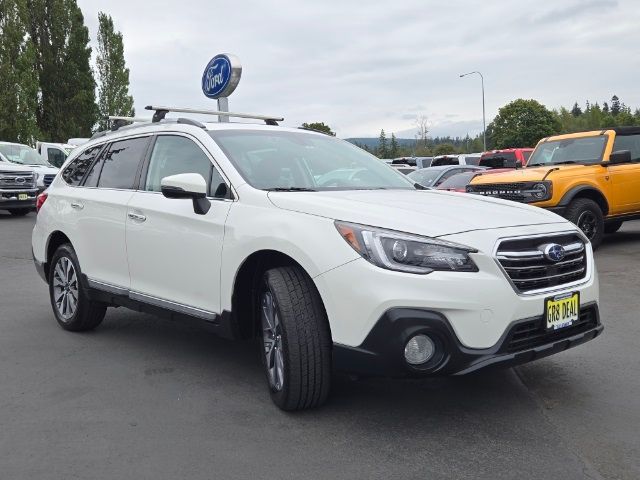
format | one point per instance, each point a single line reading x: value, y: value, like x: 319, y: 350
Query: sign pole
x: 223, y: 106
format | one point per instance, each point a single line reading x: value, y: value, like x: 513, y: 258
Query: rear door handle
x: 136, y: 216
x: 77, y: 205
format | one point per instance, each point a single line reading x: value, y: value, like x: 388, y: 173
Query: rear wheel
x: 296, y: 341
x: 19, y: 212
x: 588, y: 216
x: 72, y: 307
x: 612, y: 226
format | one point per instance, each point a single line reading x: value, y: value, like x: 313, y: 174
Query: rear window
x: 472, y: 159
x: 437, y: 162
x: 499, y: 160
x: 628, y: 142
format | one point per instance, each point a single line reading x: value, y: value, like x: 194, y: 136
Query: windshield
x: 22, y: 154
x: 272, y: 160
x: 426, y: 177
x: 457, y: 181
x: 585, y: 150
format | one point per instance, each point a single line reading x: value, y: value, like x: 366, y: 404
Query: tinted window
x: 628, y: 142
x: 74, y: 172
x: 56, y: 156
x: 499, y: 160
x: 91, y: 180
x: 458, y: 181
x: 173, y: 155
x: 121, y: 163
x: 445, y: 161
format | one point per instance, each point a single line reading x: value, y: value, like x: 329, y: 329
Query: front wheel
x: 588, y: 216
x: 296, y: 341
x: 72, y: 307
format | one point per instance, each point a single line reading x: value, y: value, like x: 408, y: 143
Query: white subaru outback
x: 331, y: 258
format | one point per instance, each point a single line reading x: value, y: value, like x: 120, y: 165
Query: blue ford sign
x: 221, y: 76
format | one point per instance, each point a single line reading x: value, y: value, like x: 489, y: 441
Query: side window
x: 55, y: 156
x: 628, y: 142
x: 121, y: 162
x: 173, y: 154
x: 75, y: 171
x: 91, y: 180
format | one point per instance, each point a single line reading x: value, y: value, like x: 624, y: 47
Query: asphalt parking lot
x: 143, y: 397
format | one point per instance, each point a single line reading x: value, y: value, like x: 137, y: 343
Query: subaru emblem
x: 554, y: 252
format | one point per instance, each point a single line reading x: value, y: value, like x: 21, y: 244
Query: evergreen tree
x: 18, y: 80
x: 394, y: 148
x: 320, y: 127
x: 615, y: 105
x: 113, y: 75
x: 383, y: 148
x: 605, y: 107
x: 67, y: 105
x: 576, y: 111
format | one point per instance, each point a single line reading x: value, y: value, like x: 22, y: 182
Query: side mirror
x: 619, y: 156
x: 187, y: 185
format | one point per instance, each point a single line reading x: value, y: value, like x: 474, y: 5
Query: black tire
x: 88, y: 314
x: 19, y: 212
x: 612, y: 226
x: 588, y: 216
x: 305, y: 339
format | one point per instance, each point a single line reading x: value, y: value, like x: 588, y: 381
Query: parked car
x: 226, y: 224
x: 459, y: 181
x: 404, y: 169
x: 464, y: 159
x: 590, y: 178
x: 54, y: 153
x: 18, y: 189
x: 29, y: 159
x: 506, y: 158
x: 433, y: 176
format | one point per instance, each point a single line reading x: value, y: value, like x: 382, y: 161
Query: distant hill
x: 372, y: 143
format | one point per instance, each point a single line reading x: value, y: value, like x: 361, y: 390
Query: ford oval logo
x: 554, y: 252
x: 19, y: 180
x: 221, y: 76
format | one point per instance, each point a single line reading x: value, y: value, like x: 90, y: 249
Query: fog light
x: 419, y: 349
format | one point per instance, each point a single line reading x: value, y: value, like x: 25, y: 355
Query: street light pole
x: 484, y: 124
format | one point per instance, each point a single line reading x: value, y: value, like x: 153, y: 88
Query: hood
x: 531, y: 174
x: 42, y: 169
x: 424, y: 212
x: 12, y: 167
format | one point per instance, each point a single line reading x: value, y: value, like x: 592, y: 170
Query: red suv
x: 506, y: 158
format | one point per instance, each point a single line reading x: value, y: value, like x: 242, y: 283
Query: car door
x: 100, y: 207
x: 625, y: 178
x: 175, y: 254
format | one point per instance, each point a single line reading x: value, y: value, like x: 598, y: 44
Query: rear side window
x: 75, y: 171
x: 121, y: 162
x: 172, y: 155
x: 628, y: 142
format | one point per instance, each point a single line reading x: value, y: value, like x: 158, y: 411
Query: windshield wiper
x: 290, y: 189
x: 420, y: 187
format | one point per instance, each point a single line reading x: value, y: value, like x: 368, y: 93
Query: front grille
x: 506, y: 191
x: 529, y: 269
x: 17, y: 180
x: 48, y: 179
x: 531, y: 334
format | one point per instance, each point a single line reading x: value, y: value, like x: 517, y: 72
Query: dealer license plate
x: 562, y: 311
x: 23, y: 196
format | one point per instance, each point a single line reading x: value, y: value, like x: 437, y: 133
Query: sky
x: 362, y: 66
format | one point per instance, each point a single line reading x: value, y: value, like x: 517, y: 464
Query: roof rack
x: 161, y: 112
x: 118, y: 121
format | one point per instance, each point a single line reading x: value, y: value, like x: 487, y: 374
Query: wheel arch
x: 586, y: 191
x: 246, y: 283
x: 54, y: 241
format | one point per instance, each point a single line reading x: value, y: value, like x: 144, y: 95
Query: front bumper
x: 382, y: 352
x: 11, y: 204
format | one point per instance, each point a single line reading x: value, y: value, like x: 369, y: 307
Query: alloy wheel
x: 65, y: 288
x: 588, y: 223
x: 272, y: 340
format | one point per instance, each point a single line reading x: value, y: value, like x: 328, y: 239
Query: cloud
x: 360, y: 67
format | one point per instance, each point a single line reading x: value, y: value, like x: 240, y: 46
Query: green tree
x: 383, y: 147
x: 113, y: 75
x: 394, y: 148
x: 522, y: 123
x: 576, y: 111
x: 320, y: 127
x: 615, y: 105
x: 18, y: 80
x: 444, y: 149
x: 67, y: 105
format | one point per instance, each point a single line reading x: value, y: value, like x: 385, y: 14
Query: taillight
x: 40, y: 200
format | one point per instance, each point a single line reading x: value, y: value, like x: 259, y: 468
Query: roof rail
x: 160, y: 113
x: 120, y: 121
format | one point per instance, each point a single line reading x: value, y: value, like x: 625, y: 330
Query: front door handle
x: 77, y: 205
x: 136, y: 216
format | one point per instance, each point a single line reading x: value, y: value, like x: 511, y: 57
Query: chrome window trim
x: 556, y: 288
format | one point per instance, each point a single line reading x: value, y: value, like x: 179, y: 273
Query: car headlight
x: 405, y: 252
x: 537, y: 191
